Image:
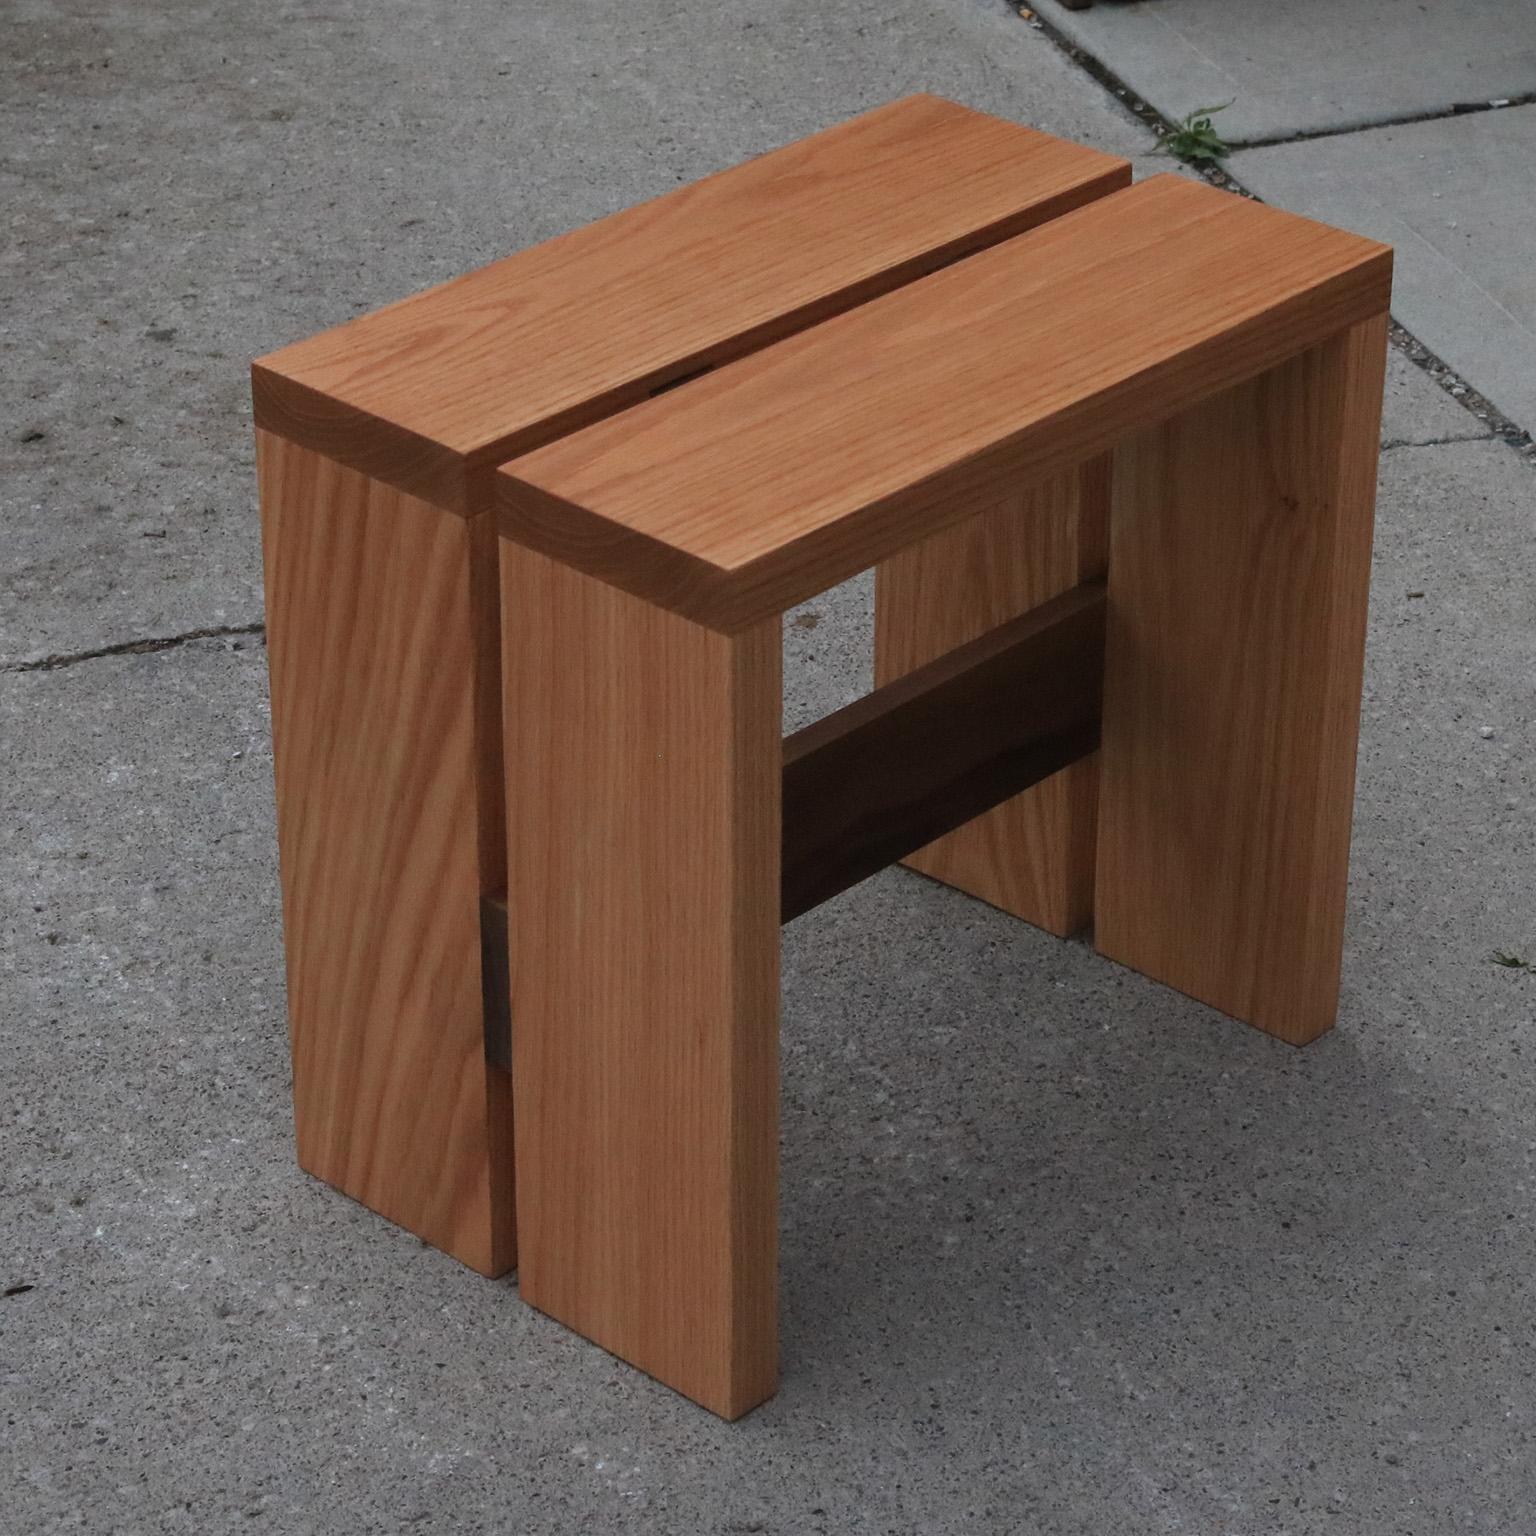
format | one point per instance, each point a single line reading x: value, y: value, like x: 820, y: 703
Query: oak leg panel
x: 1238, y: 580
x: 382, y: 651
x: 643, y: 787
x: 1034, y: 855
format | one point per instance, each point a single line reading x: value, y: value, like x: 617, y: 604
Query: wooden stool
x: 376, y: 447
x: 1169, y: 381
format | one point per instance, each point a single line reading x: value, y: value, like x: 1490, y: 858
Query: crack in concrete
x: 1096, y: 69
x: 1473, y: 401
x: 1371, y: 124
x: 133, y: 647
x: 1434, y: 442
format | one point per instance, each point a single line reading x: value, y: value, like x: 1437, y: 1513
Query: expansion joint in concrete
x: 1391, y: 120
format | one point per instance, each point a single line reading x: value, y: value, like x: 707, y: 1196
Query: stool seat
x: 753, y: 488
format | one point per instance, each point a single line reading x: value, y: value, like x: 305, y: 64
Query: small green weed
x: 1512, y: 962
x: 1194, y: 139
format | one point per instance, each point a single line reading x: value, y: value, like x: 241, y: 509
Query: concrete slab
x: 186, y: 189
x: 1063, y: 1252
x: 1311, y: 65
x: 1456, y: 198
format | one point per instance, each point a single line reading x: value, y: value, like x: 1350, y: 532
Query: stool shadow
x: 1019, y: 1173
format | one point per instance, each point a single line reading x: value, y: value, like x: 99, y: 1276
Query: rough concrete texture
x: 1309, y: 66
x: 1457, y: 199
x: 1063, y: 1252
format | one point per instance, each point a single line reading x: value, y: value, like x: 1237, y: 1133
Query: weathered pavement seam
x: 1399, y: 120
x: 134, y: 647
x: 1435, y: 442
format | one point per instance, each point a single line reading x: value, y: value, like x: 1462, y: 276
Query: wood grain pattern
x: 1239, y: 567
x: 643, y: 763
x: 431, y: 393
x: 374, y: 645
x: 936, y: 747
x: 1034, y: 855
x: 761, y: 484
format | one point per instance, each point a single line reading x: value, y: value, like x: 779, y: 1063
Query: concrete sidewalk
x: 1063, y: 1252
x: 1412, y: 123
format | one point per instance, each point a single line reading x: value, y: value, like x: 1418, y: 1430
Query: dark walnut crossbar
x: 874, y: 782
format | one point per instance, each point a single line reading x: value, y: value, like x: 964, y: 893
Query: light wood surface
x: 386, y: 843
x: 757, y: 486
x: 1032, y: 856
x: 429, y: 394
x: 1239, y: 566
x: 643, y: 766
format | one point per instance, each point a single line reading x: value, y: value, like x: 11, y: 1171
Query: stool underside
x: 890, y: 773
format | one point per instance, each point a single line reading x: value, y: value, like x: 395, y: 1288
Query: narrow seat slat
x: 750, y: 489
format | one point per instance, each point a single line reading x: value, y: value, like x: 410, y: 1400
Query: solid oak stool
x: 377, y: 445
x: 1201, y: 372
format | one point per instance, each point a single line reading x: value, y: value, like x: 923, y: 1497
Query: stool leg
x: 383, y: 657
x: 643, y: 787
x: 1238, y: 576
x: 1033, y: 855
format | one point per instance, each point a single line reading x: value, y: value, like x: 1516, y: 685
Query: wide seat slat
x: 752, y: 488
